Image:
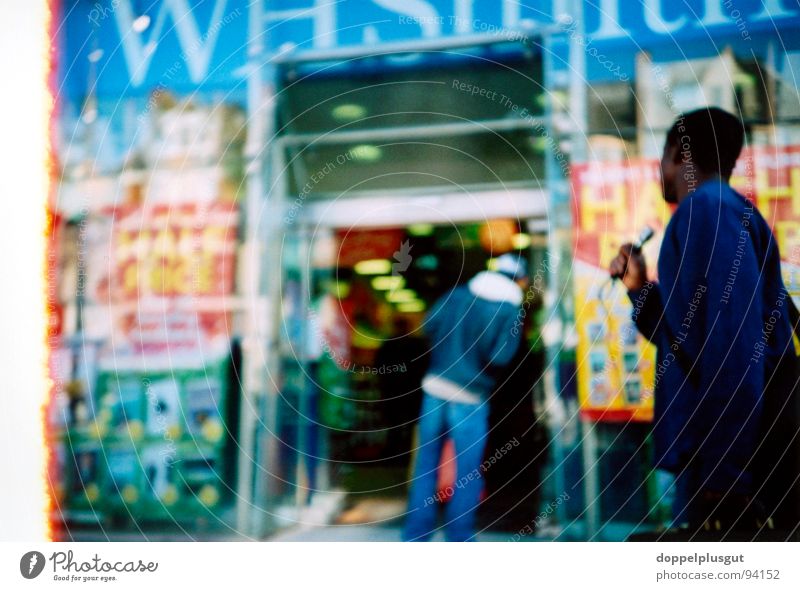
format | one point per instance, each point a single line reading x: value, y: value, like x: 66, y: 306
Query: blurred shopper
x: 720, y: 317
x: 401, y: 390
x: 513, y: 485
x: 472, y: 336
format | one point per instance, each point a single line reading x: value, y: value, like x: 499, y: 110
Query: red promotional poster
x: 770, y: 176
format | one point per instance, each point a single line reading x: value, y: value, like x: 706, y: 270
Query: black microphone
x: 644, y: 236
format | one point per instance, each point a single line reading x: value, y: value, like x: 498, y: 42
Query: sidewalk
x: 370, y: 520
x: 376, y: 533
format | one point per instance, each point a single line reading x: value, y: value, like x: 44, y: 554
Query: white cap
x: 512, y: 266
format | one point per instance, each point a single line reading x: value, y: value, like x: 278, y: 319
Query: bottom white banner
x: 334, y: 566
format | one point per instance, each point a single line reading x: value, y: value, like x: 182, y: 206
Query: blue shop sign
x: 130, y: 47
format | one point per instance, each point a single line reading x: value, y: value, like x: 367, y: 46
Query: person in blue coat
x: 473, y: 332
x: 719, y: 318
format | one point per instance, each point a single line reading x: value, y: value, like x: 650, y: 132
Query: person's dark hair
x: 709, y: 138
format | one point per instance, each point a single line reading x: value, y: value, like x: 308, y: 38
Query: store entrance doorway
x: 351, y: 426
x: 384, y: 169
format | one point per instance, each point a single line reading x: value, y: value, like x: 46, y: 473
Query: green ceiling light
x: 744, y: 80
x: 541, y: 99
x: 408, y: 307
x: 340, y: 289
x: 402, y: 296
x: 373, y: 267
x: 492, y: 264
x: 388, y: 283
x: 539, y: 143
x: 348, y: 112
x: 559, y: 99
x: 420, y: 229
x: 365, y: 338
x: 427, y: 262
x: 521, y: 241
x: 366, y: 153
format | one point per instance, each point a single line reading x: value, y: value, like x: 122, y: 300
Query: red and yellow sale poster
x: 160, y: 279
x: 177, y: 251
x: 612, y: 203
x: 770, y: 177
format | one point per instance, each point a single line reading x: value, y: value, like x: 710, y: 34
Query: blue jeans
x: 467, y: 425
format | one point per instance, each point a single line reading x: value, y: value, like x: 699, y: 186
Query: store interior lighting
x: 420, y: 229
x: 402, y: 296
x: 348, y: 112
x: 521, y: 241
x: 373, y: 267
x: 388, y: 283
x: 411, y: 307
x: 366, y: 153
x: 340, y: 289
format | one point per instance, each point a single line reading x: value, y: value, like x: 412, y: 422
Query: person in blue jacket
x: 473, y: 332
x: 719, y: 318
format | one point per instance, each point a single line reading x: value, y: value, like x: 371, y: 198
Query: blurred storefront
x: 259, y: 201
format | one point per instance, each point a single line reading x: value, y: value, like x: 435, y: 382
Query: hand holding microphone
x: 629, y: 265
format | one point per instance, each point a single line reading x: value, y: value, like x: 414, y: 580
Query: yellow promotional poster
x: 613, y: 203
